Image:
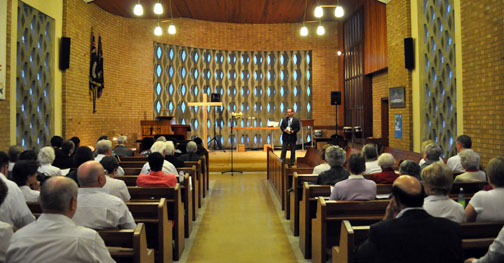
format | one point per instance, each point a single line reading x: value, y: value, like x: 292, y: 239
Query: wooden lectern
x: 162, y: 126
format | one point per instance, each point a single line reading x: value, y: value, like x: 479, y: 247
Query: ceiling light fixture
x: 138, y: 10
x: 339, y: 11
x: 158, y: 8
x: 304, y: 30
x: 320, y: 30
x: 339, y: 53
x: 158, y: 31
x: 172, y: 30
x: 319, y: 11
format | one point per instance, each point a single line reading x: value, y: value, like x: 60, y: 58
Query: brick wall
x: 4, y: 104
x: 379, y: 82
x: 398, y: 28
x: 128, y: 70
x: 483, y: 75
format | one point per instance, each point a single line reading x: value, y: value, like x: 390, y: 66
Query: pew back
x: 128, y: 245
x: 296, y: 195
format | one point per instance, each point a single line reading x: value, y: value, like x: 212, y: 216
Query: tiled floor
x: 241, y: 224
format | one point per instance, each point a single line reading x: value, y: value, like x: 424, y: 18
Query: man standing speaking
x: 290, y: 126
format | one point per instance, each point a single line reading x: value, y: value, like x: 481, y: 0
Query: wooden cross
x: 205, y: 104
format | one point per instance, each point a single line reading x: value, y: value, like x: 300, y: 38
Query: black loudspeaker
x: 215, y: 97
x: 64, y: 58
x: 335, y: 97
x: 409, y: 53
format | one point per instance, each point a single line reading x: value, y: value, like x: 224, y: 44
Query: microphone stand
x: 232, y: 171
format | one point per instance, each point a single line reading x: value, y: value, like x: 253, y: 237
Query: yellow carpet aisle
x: 240, y: 223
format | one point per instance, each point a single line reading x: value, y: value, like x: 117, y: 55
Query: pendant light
x: 138, y: 10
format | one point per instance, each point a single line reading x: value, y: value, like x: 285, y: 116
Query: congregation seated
x: 190, y: 155
x: 28, y: 155
x: 114, y: 186
x: 156, y: 177
x: 335, y: 157
x: 76, y: 142
x: 437, y: 180
x: 324, y: 166
x: 409, y: 167
x: 386, y: 162
x: 24, y: 175
x: 462, y: 142
x: 470, y: 161
x: 96, y: 208
x: 408, y: 233
x: 356, y: 187
x: 121, y: 149
x: 170, y: 155
x: 495, y: 251
x: 14, y: 210
x: 432, y: 153
x: 57, y: 143
x: 54, y: 237
x: 13, y: 153
x: 65, y: 160
x: 201, y: 149
x: 488, y: 205
x: 371, y: 155
x: 104, y: 148
x: 46, y: 158
x: 145, y: 146
x: 424, y: 145
x: 82, y: 155
x: 168, y: 168
x: 6, y: 230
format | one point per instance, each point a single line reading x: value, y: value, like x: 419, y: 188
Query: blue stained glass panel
x: 183, y: 107
x: 158, y: 88
x: 308, y: 138
x: 196, y: 56
x: 282, y: 91
x: 308, y: 107
x: 269, y: 139
x: 195, y: 73
x: 282, y: 107
x: 281, y: 75
x: 170, y: 106
x: 183, y: 121
x: 170, y: 89
x: 208, y: 124
x: 255, y: 139
x: 158, y: 52
x: 295, y: 59
x: 295, y: 107
x: 171, y: 54
x: 308, y: 90
x: 308, y: 75
x: 295, y: 91
x: 308, y: 58
x: 183, y: 89
x: 158, y: 70
x: 183, y: 72
x: 268, y: 107
x: 183, y: 55
x: 158, y: 106
x: 195, y: 90
x: 196, y: 124
x: 170, y: 71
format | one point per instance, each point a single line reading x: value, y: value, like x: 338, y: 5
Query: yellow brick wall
x: 5, y: 104
x: 379, y: 82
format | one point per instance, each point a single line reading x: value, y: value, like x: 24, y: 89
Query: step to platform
x: 249, y: 161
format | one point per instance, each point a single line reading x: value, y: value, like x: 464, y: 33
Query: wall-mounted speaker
x: 64, y: 58
x: 409, y: 53
x: 215, y: 97
x: 335, y: 97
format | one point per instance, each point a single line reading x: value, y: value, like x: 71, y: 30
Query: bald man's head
x: 408, y: 191
x: 91, y: 174
x: 56, y: 195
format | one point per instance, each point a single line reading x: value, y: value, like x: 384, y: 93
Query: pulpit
x: 162, y: 126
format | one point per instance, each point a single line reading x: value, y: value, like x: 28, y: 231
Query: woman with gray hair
x: 470, y: 161
x: 386, y: 161
x: 438, y: 179
x: 190, y: 155
x: 46, y: 157
x: 170, y: 155
x: 371, y: 155
x: 409, y: 167
x: 432, y: 153
x: 335, y: 157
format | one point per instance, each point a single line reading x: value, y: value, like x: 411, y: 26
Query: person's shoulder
x: 83, y: 232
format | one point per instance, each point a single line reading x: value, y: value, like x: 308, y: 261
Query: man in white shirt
x: 168, y: 168
x: 104, y: 148
x: 495, y: 251
x: 371, y: 155
x: 463, y: 142
x: 95, y: 207
x: 114, y: 186
x: 5, y: 229
x: 54, y: 237
x: 14, y: 209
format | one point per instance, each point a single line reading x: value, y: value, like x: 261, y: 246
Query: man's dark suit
x: 289, y: 138
x: 414, y: 237
x: 122, y: 150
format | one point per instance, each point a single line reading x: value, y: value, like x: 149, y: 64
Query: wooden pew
x: 132, y: 164
x: 275, y: 170
x: 307, y: 211
x: 132, y: 171
x: 133, y: 159
x: 296, y: 195
x: 311, y: 159
x: 330, y: 214
x: 402, y: 155
x: 197, y: 180
x: 190, y: 206
x: 175, y: 209
x: 289, y: 178
x: 128, y: 245
x: 476, y: 238
x: 154, y: 214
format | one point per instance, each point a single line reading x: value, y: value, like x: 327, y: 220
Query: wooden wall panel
x: 375, y: 36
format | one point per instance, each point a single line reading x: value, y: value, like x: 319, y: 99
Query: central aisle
x: 240, y: 224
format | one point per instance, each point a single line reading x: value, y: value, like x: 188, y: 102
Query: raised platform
x: 249, y: 161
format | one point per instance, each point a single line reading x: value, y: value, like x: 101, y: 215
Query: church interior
x: 401, y: 75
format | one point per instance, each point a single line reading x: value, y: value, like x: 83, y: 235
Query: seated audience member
x: 54, y: 237
x: 201, y: 149
x: 46, y: 158
x: 422, y: 147
x: 168, y: 168
x: 156, y: 177
x: 431, y: 155
x: 335, y: 157
x: 14, y: 210
x: 65, y: 161
x: 408, y: 233
x: 104, y: 148
x: 161, y: 139
x: 170, y: 155
x: 56, y: 143
x: 5, y: 229
x: 495, y: 251
x: 386, y: 161
x: 190, y: 155
x: 488, y: 205
x: 114, y: 186
x: 82, y: 155
x: 25, y: 176
x: 409, y: 167
x: 146, y: 145
x: 371, y: 155
x: 76, y: 142
x: 324, y: 166
x: 121, y: 149
x: 470, y: 161
x: 13, y: 153
x: 438, y: 179
x: 95, y: 207
x: 356, y: 187
x: 29, y: 155
x: 462, y: 142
